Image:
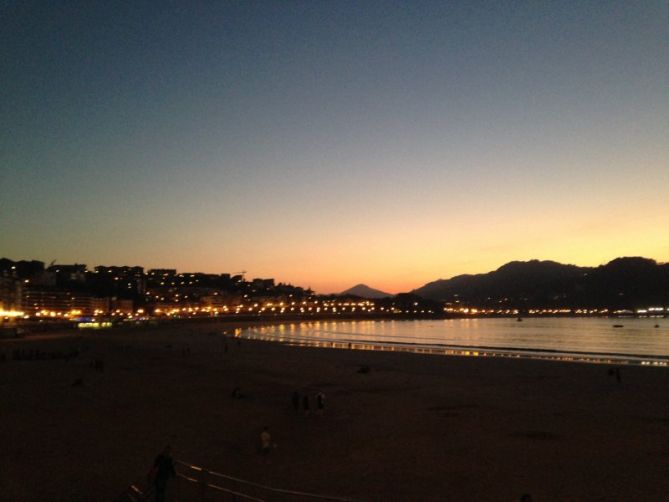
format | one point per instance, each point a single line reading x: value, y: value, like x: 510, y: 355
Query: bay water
x: 631, y: 340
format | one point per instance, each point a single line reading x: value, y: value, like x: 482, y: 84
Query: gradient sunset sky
x: 331, y: 143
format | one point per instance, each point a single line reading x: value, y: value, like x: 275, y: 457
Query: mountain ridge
x: 624, y: 282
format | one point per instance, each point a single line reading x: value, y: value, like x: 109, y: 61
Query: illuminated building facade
x: 10, y: 294
x: 47, y: 302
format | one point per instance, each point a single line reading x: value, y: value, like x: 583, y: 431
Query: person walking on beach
x: 320, y: 402
x: 265, y: 441
x: 163, y: 470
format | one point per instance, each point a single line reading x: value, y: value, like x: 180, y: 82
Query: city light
x: 11, y: 313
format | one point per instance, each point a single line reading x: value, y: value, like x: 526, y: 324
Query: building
x: 220, y: 300
x: 46, y: 302
x: 67, y: 274
x: 161, y: 277
x: 126, y: 282
x: 22, y: 269
x: 262, y: 284
x: 121, y: 306
x: 90, y: 306
x: 10, y: 294
x: 162, y: 272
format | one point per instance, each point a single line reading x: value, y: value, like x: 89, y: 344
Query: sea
x: 632, y: 340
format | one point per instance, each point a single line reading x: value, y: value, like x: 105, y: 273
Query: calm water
x: 593, y: 339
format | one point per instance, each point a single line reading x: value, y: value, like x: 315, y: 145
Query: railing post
x: 203, y: 484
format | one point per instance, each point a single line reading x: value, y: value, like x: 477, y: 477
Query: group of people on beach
x: 305, y: 402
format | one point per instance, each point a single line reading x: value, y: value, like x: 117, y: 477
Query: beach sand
x: 414, y: 428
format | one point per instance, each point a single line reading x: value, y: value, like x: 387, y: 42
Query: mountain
x: 364, y: 291
x: 622, y: 283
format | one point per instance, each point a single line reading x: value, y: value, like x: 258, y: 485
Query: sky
x: 329, y: 143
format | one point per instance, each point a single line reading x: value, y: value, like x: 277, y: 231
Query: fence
x: 197, y: 484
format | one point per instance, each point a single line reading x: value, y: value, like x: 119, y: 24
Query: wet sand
x: 415, y: 427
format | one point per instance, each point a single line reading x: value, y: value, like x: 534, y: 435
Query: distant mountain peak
x: 364, y: 291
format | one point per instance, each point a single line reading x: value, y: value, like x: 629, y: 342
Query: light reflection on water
x: 584, y: 339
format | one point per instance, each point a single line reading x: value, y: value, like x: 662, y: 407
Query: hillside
x: 622, y: 283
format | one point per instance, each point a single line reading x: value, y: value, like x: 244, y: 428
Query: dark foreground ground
x: 413, y: 428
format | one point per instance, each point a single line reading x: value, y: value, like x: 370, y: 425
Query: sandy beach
x: 413, y: 428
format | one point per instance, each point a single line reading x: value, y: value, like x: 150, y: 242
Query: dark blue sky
x: 328, y: 143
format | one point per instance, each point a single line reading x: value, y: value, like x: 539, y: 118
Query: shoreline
x: 247, y: 324
x: 470, y: 350
x: 330, y: 339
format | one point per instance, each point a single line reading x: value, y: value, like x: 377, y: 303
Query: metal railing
x: 209, y: 481
x: 197, y: 484
x: 204, y: 485
x: 136, y: 492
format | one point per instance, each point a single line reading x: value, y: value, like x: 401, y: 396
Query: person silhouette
x: 163, y: 470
